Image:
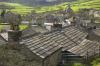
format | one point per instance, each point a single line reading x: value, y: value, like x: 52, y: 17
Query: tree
x: 13, y: 19
x: 2, y: 15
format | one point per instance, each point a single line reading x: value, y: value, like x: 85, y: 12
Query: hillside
x: 18, y: 8
x: 37, y: 2
x: 75, y: 5
x: 22, y: 9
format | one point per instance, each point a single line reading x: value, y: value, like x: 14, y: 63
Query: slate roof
x: 47, y: 43
x: 4, y: 35
x: 28, y: 32
x: 41, y: 46
x: 75, y: 34
x: 86, y: 47
x: 2, y: 40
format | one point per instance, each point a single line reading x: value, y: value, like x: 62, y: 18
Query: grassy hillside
x: 75, y: 6
x: 18, y: 8
x: 37, y: 2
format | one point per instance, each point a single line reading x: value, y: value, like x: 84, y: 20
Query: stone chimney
x: 14, y: 36
x: 14, y: 39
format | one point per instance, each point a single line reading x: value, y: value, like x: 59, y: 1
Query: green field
x: 18, y: 8
x: 22, y: 9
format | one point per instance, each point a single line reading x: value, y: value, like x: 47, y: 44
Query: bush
x: 96, y: 62
x: 78, y: 64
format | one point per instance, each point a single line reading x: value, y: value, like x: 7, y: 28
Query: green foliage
x: 77, y: 64
x: 22, y: 27
x: 96, y: 62
x: 22, y: 9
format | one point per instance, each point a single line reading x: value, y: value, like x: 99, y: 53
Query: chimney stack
x: 14, y: 34
x: 14, y: 38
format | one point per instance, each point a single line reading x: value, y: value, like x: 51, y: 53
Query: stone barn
x: 86, y: 49
x: 57, y: 47
x: 68, y: 37
x: 73, y: 38
x: 78, y: 48
x: 44, y: 52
